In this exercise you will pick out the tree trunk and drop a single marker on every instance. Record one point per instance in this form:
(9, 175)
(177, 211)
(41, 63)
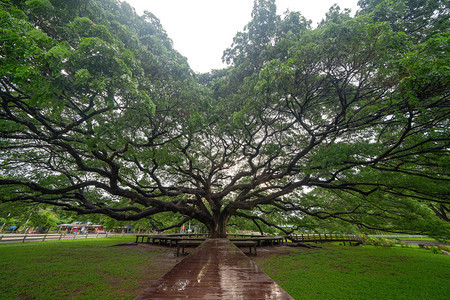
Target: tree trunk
(218, 227)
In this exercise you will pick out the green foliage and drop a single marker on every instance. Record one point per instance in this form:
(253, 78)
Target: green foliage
(346, 123)
(420, 20)
(436, 250)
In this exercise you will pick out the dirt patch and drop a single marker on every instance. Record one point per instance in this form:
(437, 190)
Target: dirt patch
(25, 296)
(165, 259)
(125, 244)
(266, 252)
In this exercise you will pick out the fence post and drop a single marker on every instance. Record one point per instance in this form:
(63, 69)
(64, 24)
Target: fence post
(60, 236)
(25, 236)
(86, 235)
(44, 237)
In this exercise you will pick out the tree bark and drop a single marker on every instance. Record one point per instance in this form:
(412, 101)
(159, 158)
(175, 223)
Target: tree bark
(218, 226)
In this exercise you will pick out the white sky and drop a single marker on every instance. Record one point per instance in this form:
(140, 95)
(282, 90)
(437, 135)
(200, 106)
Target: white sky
(202, 29)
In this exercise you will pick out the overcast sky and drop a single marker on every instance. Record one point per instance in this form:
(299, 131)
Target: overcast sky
(202, 29)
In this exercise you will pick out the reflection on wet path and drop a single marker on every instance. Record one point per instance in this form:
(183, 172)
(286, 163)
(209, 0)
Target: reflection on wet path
(216, 270)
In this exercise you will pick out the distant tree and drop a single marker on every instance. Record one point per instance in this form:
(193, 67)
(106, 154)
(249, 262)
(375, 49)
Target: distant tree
(25, 216)
(349, 121)
(249, 45)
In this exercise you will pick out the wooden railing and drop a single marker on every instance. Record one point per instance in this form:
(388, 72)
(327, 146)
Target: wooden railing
(326, 237)
(33, 237)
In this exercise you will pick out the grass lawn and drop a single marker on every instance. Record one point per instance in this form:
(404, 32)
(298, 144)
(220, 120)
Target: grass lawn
(81, 269)
(364, 272)
(91, 269)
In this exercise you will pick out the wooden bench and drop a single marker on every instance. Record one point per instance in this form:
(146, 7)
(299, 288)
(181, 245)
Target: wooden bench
(143, 236)
(262, 240)
(187, 243)
(249, 244)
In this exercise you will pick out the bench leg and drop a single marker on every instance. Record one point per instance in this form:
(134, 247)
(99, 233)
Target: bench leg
(178, 249)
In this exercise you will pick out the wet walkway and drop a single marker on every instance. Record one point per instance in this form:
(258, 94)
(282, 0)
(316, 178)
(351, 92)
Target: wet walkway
(217, 269)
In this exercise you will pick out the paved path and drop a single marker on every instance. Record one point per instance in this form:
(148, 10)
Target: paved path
(217, 269)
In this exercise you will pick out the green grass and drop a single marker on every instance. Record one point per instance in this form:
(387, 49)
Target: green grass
(344, 272)
(90, 269)
(81, 269)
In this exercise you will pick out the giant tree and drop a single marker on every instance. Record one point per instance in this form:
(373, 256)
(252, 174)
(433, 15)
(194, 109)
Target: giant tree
(346, 121)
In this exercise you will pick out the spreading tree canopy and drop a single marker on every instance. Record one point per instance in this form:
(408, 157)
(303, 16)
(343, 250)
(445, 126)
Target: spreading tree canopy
(347, 121)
